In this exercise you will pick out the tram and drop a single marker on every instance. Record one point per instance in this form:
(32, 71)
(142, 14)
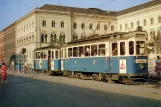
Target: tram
(116, 56)
(46, 59)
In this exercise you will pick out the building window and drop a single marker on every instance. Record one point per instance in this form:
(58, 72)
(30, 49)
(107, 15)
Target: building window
(29, 25)
(132, 25)
(159, 19)
(90, 26)
(46, 37)
(126, 26)
(32, 24)
(55, 38)
(112, 28)
(138, 23)
(63, 38)
(83, 26)
(152, 21)
(120, 27)
(98, 26)
(43, 23)
(75, 25)
(144, 22)
(62, 24)
(26, 27)
(53, 23)
(42, 37)
(105, 27)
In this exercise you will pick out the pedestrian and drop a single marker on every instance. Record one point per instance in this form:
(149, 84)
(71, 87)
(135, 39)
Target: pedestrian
(25, 67)
(158, 67)
(3, 73)
(19, 66)
(13, 66)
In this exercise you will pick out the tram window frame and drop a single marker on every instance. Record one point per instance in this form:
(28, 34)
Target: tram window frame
(102, 49)
(94, 50)
(56, 54)
(140, 47)
(75, 52)
(122, 49)
(87, 52)
(62, 52)
(52, 54)
(115, 48)
(81, 51)
(131, 49)
(70, 52)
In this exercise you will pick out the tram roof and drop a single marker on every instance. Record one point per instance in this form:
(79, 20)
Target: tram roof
(47, 47)
(95, 37)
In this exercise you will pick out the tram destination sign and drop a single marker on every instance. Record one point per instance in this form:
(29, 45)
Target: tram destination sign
(140, 61)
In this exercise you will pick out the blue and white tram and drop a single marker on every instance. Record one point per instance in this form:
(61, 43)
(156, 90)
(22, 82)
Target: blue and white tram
(113, 55)
(47, 59)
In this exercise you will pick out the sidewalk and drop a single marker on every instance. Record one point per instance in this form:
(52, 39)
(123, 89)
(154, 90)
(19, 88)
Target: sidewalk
(134, 90)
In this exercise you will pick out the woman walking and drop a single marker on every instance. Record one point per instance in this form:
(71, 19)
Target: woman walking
(158, 67)
(3, 73)
(19, 66)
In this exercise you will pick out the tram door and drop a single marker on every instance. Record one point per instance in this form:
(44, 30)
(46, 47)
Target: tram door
(49, 59)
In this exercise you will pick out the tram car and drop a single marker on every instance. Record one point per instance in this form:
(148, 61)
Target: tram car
(47, 59)
(116, 56)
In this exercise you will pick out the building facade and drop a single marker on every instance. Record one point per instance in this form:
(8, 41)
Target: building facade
(9, 42)
(1, 46)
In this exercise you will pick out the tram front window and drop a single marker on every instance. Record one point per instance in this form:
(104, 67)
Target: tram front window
(140, 47)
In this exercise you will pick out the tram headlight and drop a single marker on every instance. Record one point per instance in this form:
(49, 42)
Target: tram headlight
(141, 66)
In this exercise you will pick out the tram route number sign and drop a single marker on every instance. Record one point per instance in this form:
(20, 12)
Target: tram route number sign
(122, 66)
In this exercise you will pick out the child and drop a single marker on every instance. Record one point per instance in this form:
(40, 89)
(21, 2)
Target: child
(4, 73)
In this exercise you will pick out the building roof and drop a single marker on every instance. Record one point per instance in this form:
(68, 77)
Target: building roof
(93, 11)
(139, 7)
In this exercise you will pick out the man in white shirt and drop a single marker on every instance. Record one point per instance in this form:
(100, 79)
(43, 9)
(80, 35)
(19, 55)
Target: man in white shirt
(13, 66)
(25, 67)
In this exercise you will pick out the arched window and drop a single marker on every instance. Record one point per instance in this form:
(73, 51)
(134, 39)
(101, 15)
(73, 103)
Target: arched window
(75, 25)
(98, 26)
(126, 26)
(63, 38)
(120, 27)
(83, 26)
(112, 28)
(132, 25)
(62, 24)
(138, 23)
(46, 37)
(144, 22)
(105, 27)
(76, 37)
(73, 37)
(90, 26)
(43, 23)
(55, 38)
(152, 21)
(159, 19)
(51, 38)
(42, 37)
(60, 38)
(32, 24)
(53, 23)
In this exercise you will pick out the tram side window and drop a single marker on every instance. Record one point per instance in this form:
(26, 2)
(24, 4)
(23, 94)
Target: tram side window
(62, 53)
(131, 47)
(75, 52)
(65, 53)
(122, 48)
(39, 55)
(101, 49)
(94, 50)
(52, 54)
(87, 50)
(81, 51)
(42, 55)
(140, 47)
(45, 55)
(36, 55)
(114, 49)
(70, 52)
(56, 54)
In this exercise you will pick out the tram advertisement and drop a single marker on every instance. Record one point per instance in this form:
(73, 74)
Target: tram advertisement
(122, 66)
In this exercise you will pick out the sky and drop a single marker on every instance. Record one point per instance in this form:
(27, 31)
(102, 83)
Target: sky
(12, 10)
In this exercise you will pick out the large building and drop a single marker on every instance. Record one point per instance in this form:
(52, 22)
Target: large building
(9, 42)
(64, 24)
(1, 45)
